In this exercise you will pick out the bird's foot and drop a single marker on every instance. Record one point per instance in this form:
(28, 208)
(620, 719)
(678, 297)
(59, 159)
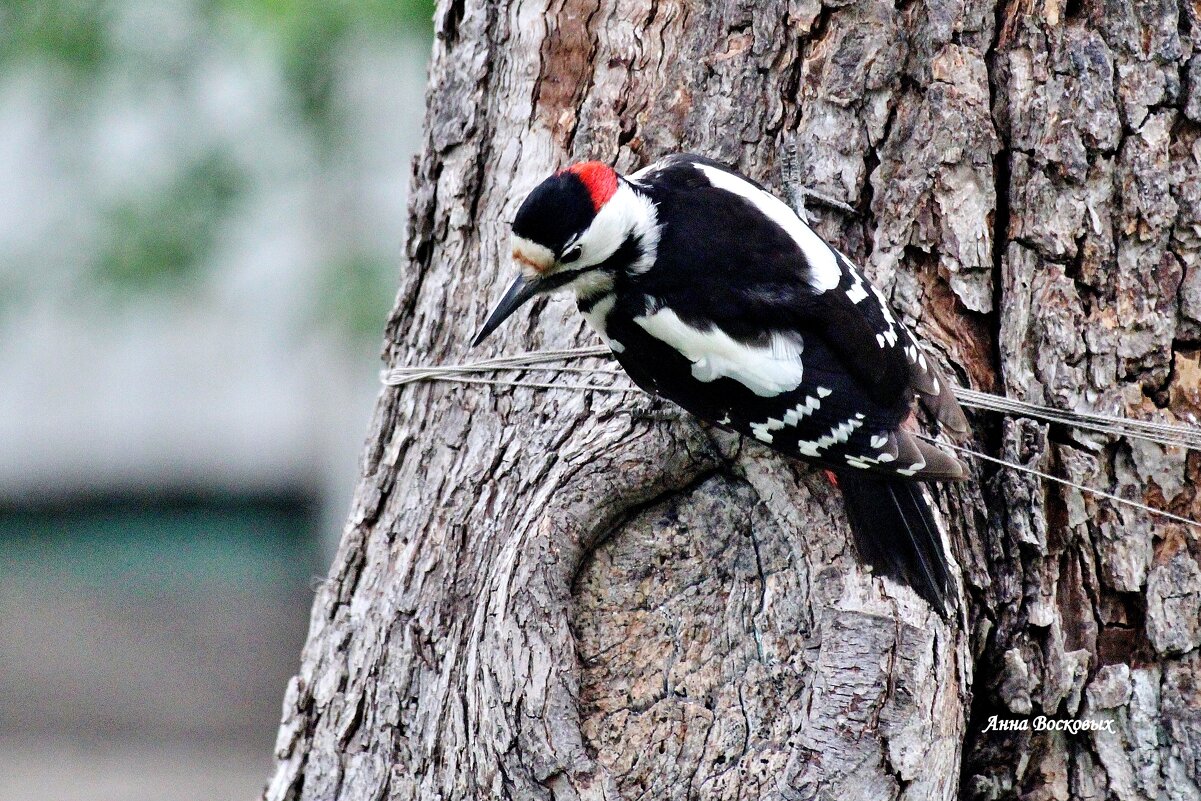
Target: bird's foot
(798, 193)
(655, 410)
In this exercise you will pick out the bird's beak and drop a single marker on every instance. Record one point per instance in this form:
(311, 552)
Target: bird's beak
(519, 292)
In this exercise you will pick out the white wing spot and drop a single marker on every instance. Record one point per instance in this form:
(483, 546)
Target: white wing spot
(857, 292)
(890, 336)
(879, 440)
(838, 434)
(867, 461)
(822, 392)
(763, 431)
(913, 468)
(801, 410)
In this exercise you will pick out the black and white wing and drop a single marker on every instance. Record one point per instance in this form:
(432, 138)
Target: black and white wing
(783, 338)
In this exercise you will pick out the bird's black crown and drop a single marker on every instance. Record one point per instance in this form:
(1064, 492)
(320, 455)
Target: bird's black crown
(557, 210)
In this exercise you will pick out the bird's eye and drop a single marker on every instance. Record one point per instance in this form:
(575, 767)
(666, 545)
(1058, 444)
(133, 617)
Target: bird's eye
(571, 255)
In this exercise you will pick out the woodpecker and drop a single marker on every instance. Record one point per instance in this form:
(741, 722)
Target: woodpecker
(714, 294)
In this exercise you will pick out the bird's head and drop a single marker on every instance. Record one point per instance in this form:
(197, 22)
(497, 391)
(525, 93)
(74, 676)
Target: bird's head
(577, 230)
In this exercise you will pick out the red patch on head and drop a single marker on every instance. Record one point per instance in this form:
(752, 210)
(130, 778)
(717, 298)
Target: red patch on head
(600, 180)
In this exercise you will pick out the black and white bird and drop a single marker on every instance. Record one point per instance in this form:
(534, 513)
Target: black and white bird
(713, 293)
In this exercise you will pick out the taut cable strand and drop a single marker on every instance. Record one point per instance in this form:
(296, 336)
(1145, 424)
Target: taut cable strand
(1066, 482)
(1162, 433)
(1167, 434)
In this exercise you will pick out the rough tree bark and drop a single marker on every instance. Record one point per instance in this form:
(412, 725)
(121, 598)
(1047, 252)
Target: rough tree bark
(539, 595)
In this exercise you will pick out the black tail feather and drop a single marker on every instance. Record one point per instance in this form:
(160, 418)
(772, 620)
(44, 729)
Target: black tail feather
(895, 532)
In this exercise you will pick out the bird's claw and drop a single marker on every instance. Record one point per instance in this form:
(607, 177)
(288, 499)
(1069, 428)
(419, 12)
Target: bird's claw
(656, 410)
(798, 193)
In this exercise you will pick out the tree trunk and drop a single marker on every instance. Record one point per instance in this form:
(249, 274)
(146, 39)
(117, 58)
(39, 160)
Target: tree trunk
(541, 595)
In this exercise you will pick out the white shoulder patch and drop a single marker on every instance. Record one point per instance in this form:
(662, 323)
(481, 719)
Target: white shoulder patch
(646, 172)
(766, 370)
(825, 274)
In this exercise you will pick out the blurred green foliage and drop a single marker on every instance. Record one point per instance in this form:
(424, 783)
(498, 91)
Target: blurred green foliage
(78, 33)
(357, 294)
(165, 237)
(311, 32)
(75, 33)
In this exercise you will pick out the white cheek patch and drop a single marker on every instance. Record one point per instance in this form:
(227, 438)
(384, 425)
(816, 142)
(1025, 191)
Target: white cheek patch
(627, 212)
(534, 258)
(591, 283)
(824, 273)
(766, 370)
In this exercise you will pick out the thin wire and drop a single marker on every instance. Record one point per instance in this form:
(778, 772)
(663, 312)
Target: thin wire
(1167, 434)
(397, 376)
(1048, 477)
(500, 382)
(1162, 433)
(406, 375)
(986, 399)
(532, 361)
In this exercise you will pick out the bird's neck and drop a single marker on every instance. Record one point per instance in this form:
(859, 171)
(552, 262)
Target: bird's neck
(630, 222)
(641, 243)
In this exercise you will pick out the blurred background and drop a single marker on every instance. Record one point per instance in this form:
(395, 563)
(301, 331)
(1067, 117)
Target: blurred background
(202, 206)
